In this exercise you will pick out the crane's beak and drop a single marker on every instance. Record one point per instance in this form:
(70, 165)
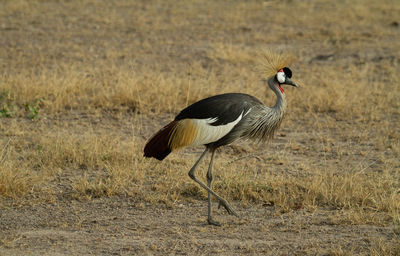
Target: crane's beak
(290, 82)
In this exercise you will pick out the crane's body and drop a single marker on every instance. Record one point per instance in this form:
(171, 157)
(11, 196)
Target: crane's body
(220, 120)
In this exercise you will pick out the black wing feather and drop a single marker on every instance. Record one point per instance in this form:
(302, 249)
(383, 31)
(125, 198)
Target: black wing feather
(226, 107)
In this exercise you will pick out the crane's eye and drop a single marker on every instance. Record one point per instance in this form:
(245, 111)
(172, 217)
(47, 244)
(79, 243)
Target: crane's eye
(281, 77)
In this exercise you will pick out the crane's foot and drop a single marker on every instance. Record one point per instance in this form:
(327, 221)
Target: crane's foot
(213, 222)
(227, 207)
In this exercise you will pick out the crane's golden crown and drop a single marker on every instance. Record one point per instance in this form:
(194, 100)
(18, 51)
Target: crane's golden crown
(271, 62)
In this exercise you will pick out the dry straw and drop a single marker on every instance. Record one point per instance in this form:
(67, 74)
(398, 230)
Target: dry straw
(271, 62)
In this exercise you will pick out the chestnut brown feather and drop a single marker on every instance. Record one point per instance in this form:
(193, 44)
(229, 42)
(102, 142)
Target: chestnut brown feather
(158, 145)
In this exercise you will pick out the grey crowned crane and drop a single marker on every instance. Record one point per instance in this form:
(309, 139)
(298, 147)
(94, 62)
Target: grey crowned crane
(222, 119)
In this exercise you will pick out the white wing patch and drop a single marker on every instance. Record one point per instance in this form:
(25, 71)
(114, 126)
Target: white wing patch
(248, 111)
(207, 133)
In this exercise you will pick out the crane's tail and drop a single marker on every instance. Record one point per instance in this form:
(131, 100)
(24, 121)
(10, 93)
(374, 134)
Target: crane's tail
(174, 135)
(158, 146)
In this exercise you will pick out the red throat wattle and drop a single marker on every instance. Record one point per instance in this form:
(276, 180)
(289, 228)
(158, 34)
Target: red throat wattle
(280, 88)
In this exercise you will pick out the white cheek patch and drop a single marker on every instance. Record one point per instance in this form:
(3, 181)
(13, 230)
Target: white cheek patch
(281, 77)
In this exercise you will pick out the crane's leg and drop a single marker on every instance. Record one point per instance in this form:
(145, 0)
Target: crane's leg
(222, 201)
(209, 183)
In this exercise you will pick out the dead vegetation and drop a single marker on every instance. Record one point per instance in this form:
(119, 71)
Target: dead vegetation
(82, 87)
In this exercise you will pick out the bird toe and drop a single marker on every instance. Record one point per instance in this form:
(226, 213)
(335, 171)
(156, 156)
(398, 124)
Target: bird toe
(213, 222)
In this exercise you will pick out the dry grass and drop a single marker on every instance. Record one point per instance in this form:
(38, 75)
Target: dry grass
(81, 90)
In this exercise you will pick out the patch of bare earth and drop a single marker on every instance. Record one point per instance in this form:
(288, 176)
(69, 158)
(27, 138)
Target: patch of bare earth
(123, 226)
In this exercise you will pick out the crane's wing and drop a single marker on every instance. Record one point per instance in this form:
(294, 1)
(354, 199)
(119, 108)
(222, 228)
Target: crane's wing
(202, 123)
(220, 109)
(210, 119)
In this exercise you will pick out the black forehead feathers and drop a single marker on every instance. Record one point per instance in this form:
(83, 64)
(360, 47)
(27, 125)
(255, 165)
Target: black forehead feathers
(287, 72)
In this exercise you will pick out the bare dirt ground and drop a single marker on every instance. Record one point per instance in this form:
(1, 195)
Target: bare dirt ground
(83, 85)
(122, 226)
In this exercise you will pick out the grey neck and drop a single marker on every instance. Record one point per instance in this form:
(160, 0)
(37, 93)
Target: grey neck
(280, 105)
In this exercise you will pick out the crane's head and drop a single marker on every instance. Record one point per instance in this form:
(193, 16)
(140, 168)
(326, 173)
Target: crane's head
(283, 76)
(274, 69)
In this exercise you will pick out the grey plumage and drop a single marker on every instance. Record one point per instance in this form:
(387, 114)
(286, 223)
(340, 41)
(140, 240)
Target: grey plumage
(260, 122)
(265, 121)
